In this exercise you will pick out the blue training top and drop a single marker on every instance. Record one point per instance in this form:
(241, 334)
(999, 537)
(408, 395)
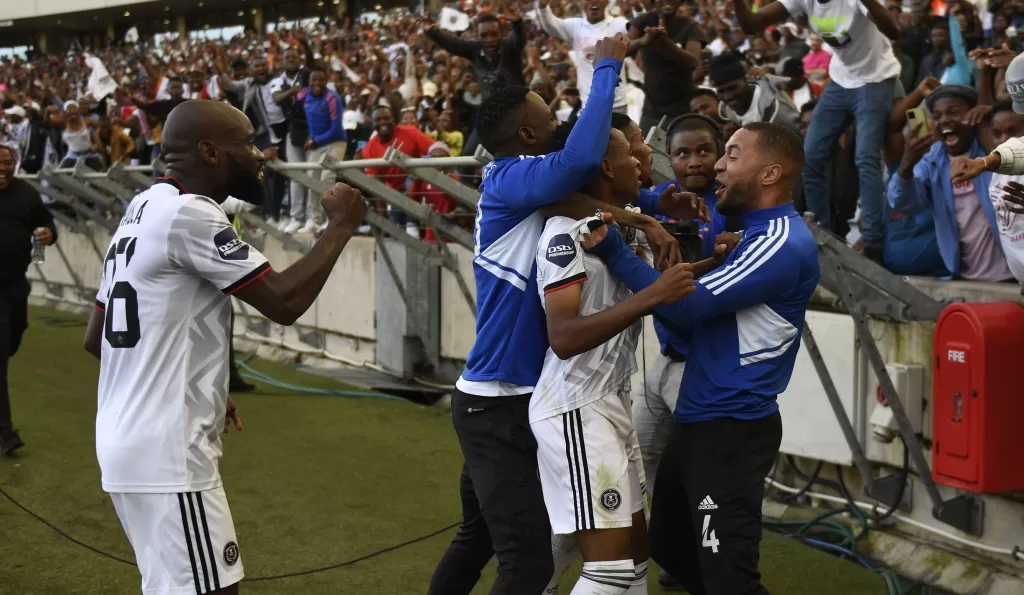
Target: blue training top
(746, 316)
(511, 334)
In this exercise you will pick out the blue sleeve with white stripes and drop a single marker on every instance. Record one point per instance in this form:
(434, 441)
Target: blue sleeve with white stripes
(532, 183)
(760, 269)
(757, 271)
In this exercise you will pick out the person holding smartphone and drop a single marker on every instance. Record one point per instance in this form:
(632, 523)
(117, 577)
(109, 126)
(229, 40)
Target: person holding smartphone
(965, 221)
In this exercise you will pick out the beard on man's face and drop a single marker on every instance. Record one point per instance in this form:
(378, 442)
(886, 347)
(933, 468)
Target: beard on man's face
(245, 183)
(737, 199)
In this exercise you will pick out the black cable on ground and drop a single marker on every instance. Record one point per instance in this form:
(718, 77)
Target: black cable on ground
(247, 579)
(353, 560)
(63, 534)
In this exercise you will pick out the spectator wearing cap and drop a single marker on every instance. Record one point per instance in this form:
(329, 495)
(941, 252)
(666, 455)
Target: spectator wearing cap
(670, 46)
(865, 75)
(965, 220)
(20, 129)
(793, 45)
(745, 100)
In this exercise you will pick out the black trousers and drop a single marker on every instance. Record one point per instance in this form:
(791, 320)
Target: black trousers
(13, 323)
(274, 183)
(705, 527)
(503, 511)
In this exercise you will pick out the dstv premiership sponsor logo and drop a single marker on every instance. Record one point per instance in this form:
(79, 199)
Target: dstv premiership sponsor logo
(561, 250)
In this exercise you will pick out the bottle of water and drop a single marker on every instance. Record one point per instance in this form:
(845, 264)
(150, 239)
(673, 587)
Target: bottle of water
(38, 251)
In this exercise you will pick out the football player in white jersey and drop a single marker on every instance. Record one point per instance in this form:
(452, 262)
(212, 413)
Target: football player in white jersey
(161, 332)
(589, 459)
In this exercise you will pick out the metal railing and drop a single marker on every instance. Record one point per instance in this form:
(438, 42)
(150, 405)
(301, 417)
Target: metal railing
(81, 193)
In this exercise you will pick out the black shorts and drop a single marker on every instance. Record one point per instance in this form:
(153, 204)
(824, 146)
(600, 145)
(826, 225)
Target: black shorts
(705, 525)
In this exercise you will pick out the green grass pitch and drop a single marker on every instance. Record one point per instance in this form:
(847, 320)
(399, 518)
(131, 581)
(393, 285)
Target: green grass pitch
(311, 481)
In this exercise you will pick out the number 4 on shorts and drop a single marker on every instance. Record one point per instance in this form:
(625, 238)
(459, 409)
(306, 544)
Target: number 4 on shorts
(708, 538)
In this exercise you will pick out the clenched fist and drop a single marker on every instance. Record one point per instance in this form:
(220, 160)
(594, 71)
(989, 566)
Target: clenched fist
(610, 47)
(345, 206)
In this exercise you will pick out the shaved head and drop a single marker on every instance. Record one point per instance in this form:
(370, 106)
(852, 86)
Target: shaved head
(212, 146)
(198, 120)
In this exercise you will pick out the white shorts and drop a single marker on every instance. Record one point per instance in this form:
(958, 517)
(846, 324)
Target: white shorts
(184, 544)
(590, 466)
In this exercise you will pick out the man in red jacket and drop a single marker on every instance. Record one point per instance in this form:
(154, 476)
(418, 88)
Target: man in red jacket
(407, 139)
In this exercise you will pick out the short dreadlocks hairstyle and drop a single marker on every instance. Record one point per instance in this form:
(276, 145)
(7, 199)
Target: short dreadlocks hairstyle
(494, 118)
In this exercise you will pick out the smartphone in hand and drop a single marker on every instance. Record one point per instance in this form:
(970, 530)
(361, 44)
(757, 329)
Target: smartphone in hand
(917, 119)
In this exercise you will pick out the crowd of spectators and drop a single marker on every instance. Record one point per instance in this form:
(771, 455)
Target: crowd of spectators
(414, 82)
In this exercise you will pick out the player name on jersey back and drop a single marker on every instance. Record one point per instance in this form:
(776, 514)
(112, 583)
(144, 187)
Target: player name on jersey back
(162, 396)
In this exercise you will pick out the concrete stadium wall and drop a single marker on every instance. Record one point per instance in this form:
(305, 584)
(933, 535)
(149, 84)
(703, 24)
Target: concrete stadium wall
(25, 9)
(344, 312)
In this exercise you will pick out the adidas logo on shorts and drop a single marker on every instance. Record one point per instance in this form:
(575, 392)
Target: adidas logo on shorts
(707, 504)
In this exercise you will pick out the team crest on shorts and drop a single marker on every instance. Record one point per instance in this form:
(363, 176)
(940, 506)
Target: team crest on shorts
(231, 553)
(611, 499)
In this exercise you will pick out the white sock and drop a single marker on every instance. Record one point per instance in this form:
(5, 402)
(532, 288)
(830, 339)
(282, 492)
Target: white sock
(564, 549)
(639, 586)
(605, 578)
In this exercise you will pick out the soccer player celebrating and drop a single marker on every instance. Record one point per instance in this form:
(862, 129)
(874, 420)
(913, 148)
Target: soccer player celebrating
(745, 319)
(502, 504)
(589, 459)
(161, 332)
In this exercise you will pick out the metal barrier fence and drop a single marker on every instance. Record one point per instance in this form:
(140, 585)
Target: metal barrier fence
(82, 193)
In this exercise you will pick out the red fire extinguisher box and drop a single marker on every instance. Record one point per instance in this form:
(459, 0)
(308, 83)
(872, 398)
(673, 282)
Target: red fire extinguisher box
(978, 397)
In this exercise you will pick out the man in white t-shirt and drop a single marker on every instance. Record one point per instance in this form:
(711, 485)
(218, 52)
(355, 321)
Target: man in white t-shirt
(161, 329)
(582, 34)
(864, 73)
